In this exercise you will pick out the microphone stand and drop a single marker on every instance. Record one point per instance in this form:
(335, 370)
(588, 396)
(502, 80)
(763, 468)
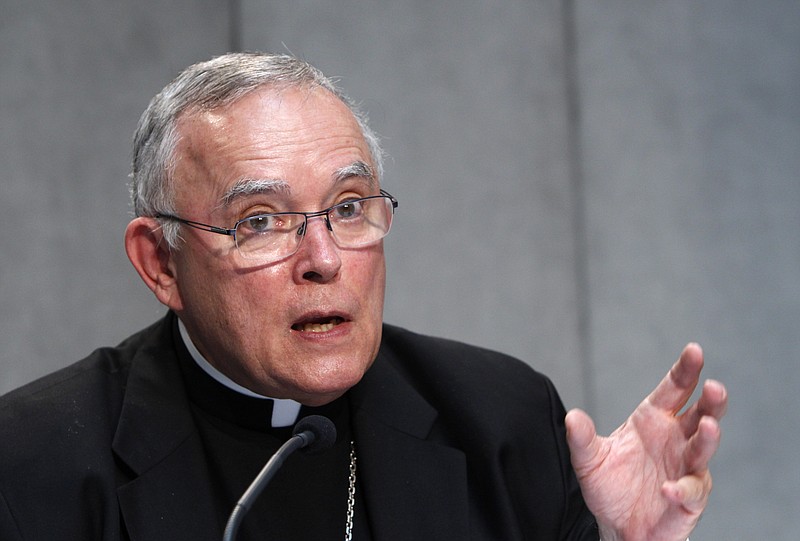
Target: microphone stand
(313, 431)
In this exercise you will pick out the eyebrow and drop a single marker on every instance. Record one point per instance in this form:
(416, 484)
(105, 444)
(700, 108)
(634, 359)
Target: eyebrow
(256, 186)
(356, 169)
(253, 186)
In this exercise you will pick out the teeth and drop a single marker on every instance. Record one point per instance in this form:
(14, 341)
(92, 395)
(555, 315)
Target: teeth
(319, 327)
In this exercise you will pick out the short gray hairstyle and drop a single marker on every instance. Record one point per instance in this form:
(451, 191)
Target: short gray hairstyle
(206, 86)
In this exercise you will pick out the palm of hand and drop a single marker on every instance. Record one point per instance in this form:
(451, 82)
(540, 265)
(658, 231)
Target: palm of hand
(624, 486)
(649, 480)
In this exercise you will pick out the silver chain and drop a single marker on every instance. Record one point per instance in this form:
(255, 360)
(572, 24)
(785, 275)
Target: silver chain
(351, 494)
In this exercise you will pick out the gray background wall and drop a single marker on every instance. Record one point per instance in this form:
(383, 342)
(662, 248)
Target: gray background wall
(586, 185)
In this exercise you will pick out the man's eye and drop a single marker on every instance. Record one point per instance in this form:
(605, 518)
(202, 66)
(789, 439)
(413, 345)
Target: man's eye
(260, 224)
(351, 209)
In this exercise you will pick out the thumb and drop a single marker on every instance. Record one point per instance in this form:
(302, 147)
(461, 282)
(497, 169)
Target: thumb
(584, 445)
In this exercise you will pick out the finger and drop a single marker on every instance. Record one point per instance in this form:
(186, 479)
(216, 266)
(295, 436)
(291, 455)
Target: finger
(713, 402)
(690, 491)
(582, 439)
(702, 445)
(677, 386)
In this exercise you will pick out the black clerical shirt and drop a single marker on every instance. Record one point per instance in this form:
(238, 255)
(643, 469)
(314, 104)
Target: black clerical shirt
(307, 498)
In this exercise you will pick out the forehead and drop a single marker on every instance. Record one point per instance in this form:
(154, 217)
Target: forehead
(289, 135)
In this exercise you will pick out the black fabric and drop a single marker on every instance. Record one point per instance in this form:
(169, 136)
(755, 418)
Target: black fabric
(454, 443)
(219, 401)
(307, 498)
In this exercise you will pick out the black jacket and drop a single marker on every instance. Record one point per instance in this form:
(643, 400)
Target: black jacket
(455, 443)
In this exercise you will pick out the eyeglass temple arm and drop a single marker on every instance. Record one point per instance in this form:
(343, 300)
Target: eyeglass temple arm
(390, 196)
(199, 225)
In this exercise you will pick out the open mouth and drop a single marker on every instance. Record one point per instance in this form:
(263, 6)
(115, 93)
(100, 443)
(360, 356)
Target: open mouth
(318, 325)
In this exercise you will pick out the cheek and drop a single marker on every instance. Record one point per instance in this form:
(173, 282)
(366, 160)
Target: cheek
(371, 285)
(258, 299)
(370, 273)
(233, 299)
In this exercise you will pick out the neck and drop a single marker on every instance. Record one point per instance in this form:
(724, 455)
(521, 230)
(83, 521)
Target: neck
(284, 411)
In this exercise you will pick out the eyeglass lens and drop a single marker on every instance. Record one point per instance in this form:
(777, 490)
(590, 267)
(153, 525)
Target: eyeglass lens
(270, 237)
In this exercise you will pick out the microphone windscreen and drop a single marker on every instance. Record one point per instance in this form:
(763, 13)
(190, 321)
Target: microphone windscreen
(322, 429)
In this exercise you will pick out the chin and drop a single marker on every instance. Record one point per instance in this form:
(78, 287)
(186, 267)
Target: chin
(327, 389)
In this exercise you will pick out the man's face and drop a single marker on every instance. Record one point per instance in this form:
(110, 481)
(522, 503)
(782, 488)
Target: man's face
(306, 327)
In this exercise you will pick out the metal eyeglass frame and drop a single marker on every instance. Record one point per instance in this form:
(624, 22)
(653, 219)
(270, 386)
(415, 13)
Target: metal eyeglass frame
(301, 230)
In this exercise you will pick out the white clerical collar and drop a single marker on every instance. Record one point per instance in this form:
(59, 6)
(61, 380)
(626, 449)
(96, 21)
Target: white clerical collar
(284, 411)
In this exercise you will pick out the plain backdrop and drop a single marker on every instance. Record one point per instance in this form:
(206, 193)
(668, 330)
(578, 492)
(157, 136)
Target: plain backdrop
(585, 185)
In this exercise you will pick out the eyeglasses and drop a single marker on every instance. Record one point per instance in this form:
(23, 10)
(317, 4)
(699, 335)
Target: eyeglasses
(275, 236)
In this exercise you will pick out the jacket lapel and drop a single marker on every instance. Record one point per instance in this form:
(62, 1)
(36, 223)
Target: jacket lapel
(415, 488)
(168, 496)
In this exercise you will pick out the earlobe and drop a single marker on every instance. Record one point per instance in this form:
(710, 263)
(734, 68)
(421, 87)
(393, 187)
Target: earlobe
(151, 257)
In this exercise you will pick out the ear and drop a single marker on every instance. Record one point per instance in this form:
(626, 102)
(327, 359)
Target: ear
(153, 260)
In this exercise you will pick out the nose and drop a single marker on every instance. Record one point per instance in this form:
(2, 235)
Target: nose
(318, 258)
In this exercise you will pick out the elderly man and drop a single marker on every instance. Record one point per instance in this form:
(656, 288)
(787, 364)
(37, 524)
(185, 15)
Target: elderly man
(260, 219)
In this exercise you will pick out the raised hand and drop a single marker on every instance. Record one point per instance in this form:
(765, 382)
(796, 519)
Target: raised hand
(649, 480)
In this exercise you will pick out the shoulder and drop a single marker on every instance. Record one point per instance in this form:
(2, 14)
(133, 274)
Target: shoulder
(465, 363)
(456, 376)
(65, 406)
(58, 473)
(105, 364)
(505, 417)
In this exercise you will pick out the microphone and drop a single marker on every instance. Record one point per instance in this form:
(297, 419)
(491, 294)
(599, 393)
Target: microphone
(315, 433)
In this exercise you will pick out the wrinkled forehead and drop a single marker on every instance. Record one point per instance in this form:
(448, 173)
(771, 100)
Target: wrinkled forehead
(270, 134)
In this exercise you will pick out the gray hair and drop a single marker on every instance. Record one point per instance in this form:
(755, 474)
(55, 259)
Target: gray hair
(206, 86)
